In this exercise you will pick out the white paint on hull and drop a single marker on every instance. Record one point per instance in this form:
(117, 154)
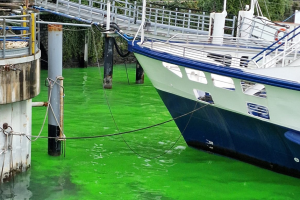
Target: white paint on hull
(279, 101)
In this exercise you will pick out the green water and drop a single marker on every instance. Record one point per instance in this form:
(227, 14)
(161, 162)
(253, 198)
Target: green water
(105, 168)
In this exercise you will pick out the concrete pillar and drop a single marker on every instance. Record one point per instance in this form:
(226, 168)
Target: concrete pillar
(108, 61)
(139, 78)
(54, 71)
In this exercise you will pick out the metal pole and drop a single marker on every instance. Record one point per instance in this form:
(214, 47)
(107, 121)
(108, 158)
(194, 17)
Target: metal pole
(54, 73)
(4, 37)
(33, 33)
(108, 16)
(143, 20)
(61, 23)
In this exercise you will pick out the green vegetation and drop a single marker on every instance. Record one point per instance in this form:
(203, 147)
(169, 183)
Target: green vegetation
(276, 10)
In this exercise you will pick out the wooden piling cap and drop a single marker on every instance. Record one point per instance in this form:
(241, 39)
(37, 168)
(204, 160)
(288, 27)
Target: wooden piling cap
(54, 27)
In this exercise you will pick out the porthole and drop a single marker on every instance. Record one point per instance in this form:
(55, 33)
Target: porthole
(173, 68)
(196, 75)
(253, 89)
(223, 82)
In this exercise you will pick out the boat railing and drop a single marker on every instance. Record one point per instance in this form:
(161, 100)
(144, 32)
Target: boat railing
(260, 28)
(226, 40)
(19, 35)
(176, 49)
(286, 50)
(128, 15)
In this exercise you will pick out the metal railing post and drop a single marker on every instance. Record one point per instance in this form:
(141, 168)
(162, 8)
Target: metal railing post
(68, 6)
(116, 14)
(233, 26)
(264, 60)
(162, 15)
(91, 10)
(113, 7)
(33, 31)
(189, 19)
(155, 28)
(176, 9)
(284, 51)
(183, 21)
(4, 37)
(126, 2)
(56, 8)
(30, 38)
(39, 33)
(134, 12)
(169, 23)
(79, 6)
(129, 17)
(203, 20)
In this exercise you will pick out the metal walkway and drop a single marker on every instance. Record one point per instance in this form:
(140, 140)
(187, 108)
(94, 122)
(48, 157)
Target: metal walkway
(162, 23)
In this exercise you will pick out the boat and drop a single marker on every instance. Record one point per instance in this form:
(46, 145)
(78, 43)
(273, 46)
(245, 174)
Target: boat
(234, 96)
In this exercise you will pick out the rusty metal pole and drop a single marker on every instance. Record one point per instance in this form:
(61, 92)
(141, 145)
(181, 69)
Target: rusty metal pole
(54, 73)
(139, 76)
(108, 61)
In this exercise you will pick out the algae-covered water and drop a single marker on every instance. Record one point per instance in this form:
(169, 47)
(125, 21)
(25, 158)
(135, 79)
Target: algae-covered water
(106, 168)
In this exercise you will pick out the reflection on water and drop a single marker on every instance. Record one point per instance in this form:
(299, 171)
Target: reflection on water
(17, 188)
(105, 168)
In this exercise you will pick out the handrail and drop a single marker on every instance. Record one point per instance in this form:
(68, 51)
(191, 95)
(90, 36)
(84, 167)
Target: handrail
(130, 13)
(281, 53)
(28, 34)
(198, 54)
(276, 42)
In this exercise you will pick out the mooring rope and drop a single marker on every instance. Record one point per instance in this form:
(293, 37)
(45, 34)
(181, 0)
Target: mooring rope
(64, 138)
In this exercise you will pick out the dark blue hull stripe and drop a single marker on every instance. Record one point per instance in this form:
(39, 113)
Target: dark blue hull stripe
(234, 135)
(207, 67)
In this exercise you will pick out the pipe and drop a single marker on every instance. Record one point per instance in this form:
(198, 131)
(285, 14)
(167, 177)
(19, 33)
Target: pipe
(60, 23)
(39, 104)
(65, 15)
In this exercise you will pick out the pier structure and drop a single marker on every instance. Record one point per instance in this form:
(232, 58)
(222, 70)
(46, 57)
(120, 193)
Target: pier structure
(158, 22)
(19, 83)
